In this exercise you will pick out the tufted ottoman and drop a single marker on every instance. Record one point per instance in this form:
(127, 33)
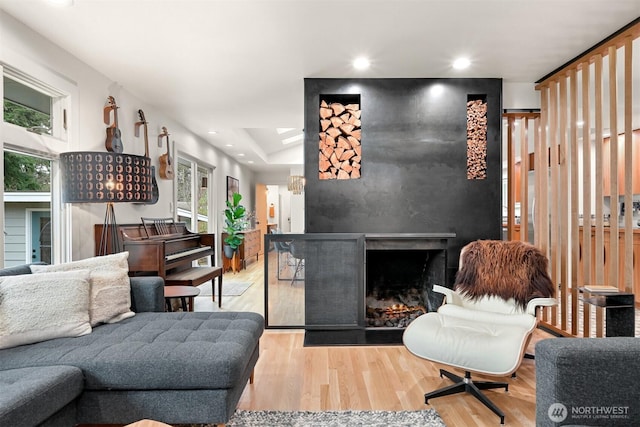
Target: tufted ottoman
(151, 364)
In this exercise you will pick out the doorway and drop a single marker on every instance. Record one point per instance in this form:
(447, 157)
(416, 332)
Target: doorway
(39, 226)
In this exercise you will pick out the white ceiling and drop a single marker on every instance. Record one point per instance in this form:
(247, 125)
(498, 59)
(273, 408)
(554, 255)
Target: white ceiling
(237, 67)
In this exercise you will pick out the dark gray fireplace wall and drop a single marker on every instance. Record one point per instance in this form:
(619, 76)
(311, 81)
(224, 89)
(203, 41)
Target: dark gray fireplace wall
(414, 155)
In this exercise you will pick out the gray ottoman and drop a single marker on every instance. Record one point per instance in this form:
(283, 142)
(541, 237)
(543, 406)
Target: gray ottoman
(588, 382)
(32, 395)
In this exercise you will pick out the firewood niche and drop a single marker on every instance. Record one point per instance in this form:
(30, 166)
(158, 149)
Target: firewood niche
(340, 149)
(476, 136)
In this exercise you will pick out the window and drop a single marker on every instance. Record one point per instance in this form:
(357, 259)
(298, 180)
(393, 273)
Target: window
(33, 105)
(27, 209)
(26, 107)
(193, 188)
(33, 131)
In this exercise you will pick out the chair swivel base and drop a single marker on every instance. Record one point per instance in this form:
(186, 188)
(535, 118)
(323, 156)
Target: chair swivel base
(467, 385)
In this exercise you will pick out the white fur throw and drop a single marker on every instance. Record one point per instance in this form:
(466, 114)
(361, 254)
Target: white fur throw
(110, 298)
(38, 307)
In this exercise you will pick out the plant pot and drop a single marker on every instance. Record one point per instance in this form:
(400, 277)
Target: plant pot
(228, 251)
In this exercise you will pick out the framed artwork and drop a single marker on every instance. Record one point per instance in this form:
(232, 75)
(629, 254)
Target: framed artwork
(233, 186)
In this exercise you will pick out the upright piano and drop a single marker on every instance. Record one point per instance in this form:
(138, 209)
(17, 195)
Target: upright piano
(162, 248)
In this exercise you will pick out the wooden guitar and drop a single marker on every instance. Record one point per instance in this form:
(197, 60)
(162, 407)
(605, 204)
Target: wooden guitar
(154, 184)
(114, 140)
(166, 165)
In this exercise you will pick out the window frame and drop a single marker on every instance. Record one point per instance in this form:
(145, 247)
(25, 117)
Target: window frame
(64, 125)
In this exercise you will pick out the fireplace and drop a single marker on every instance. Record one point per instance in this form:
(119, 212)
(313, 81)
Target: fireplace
(400, 271)
(399, 283)
(357, 289)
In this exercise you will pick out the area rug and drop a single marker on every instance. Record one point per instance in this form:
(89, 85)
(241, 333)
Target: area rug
(229, 288)
(425, 418)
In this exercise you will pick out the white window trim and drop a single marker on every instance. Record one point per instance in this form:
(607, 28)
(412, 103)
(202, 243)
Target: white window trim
(14, 137)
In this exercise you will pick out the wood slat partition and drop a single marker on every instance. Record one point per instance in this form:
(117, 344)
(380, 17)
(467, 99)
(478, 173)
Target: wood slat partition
(521, 128)
(570, 225)
(517, 171)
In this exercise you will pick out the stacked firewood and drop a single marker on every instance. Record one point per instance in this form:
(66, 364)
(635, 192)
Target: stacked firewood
(340, 152)
(396, 316)
(476, 139)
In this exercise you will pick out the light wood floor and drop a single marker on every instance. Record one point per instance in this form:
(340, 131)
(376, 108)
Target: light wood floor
(289, 376)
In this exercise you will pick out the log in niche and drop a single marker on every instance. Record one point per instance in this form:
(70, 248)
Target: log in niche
(476, 137)
(340, 150)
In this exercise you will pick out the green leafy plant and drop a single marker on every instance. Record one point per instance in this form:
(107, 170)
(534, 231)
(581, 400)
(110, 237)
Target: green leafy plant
(233, 218)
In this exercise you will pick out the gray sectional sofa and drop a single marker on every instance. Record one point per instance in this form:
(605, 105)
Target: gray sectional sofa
(176, 368)
(588, 382)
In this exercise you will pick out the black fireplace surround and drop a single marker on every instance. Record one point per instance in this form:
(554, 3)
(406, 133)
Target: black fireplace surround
(366, 288)
(413, 181)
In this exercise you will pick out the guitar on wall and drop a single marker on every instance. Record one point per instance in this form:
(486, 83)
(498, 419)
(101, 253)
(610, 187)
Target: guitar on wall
(114, 139)
(166, 165)
(154, 184)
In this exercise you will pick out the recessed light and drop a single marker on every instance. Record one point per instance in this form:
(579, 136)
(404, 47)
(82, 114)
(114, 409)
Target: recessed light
(461, 63)
(361, 63)
(212, 132)
(228, 145)
(250, 161)
(240, 154)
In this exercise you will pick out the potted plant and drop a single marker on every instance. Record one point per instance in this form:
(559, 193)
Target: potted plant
(233, 218)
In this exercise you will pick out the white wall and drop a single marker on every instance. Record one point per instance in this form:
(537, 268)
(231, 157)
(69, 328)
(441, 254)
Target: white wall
(520, 96)
(22, 48)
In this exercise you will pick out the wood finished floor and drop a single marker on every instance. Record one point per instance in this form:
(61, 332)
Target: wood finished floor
(289, 376)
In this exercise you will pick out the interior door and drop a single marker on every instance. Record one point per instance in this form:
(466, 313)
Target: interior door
(261, 213)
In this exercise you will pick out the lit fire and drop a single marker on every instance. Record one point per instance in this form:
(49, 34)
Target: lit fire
(402, 308)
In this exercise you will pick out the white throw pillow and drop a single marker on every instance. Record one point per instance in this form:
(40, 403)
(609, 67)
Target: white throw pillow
(110, 297)
(38, 307)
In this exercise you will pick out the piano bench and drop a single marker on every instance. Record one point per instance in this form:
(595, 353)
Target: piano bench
(195, 276)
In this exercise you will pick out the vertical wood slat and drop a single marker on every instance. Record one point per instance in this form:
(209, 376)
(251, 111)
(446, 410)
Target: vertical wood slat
(511, 163)
(628, 166)
(524, 180)
(537, 187)
(586, 196)
(543, 218)
(563, 204)
(574, 208)
(554, 242)
(599, 231)
(614, 229)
